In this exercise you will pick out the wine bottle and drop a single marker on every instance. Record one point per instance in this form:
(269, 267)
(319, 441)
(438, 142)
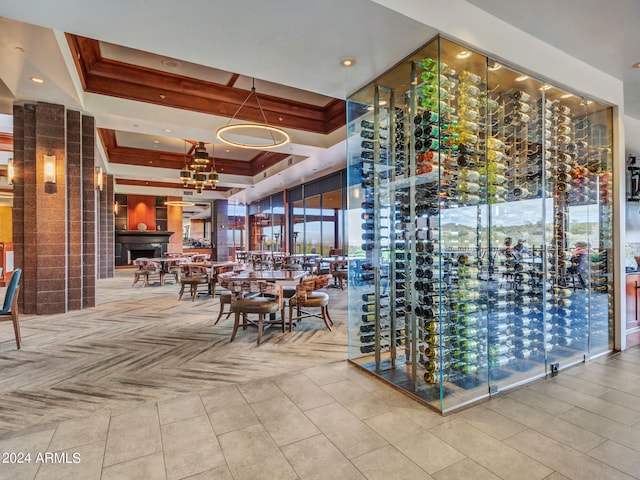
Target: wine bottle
(467, 76)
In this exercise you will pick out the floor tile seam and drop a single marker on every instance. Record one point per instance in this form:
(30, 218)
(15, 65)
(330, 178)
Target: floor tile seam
(577, 452)
(537, 426)
(313, 381)
(501, 442)
(500, 439)
(612, 466)
(216, 436)
(392, 445)
(604, 419)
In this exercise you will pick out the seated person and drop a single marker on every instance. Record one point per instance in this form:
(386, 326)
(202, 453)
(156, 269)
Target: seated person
(521, 248)
(580, 262)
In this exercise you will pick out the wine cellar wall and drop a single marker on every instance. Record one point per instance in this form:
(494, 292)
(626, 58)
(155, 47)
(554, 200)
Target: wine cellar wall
(480, 224)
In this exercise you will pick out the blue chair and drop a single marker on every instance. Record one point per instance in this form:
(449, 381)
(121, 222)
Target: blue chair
(10, 306)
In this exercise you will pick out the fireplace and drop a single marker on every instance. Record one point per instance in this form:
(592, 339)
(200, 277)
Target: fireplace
(132, 244)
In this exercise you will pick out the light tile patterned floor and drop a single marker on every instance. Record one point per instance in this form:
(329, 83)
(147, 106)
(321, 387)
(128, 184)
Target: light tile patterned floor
(334, 421)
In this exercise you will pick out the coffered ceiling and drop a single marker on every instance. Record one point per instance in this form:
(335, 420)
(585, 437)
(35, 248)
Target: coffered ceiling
(157, 75)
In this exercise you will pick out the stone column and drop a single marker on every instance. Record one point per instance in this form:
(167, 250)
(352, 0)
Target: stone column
(219, 229)
(54, 224)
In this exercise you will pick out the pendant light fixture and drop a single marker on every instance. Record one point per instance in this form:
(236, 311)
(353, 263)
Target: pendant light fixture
(198, 173)
(275, 137)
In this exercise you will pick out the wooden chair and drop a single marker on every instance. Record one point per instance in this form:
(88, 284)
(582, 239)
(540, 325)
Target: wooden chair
(10, 305)
(146, 268)
(308, 296)
(225, 295)
(267, 302)
(192, 277)
(340, 272)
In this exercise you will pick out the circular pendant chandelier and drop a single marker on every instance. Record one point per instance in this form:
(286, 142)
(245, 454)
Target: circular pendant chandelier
(266, 135)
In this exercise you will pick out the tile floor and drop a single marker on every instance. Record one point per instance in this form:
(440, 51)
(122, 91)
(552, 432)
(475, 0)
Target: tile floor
(336, 422)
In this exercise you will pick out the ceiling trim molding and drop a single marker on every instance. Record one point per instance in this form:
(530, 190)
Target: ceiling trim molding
(149, 183)
(113, 78)
(159, 159)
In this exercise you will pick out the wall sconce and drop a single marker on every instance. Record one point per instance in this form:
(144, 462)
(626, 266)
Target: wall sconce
(116, 207)
(49, 169)
(99, 178)
(10, 171)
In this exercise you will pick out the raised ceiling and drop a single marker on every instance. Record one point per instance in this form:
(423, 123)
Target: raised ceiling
(154, 77)
(291, 47)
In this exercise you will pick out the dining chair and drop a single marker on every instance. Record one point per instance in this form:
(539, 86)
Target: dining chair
(225, 294)
(145, 269)
(192, 277)
(10, 305)
(268, 301)
(308, 296)
(340, 272)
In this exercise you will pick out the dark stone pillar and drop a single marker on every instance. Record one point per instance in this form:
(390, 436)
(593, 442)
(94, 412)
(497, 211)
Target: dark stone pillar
(74, 192)
(219, 232)
(52, 223)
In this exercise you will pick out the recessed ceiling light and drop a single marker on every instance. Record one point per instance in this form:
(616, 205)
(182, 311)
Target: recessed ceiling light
(167, 130)
(18, 49)
(347, 62)
(463, 54)
(636, 65)
(37, 80)
(522, 78)
(227, 150)
(167, 62)
(156, 141)
(495, 66)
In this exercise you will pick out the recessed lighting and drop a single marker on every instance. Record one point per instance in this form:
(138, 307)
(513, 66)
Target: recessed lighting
(567, 95)
(347, 62)
(18, 49)
(167, 62)
(37, 80)
(463, 54)
(156, 141)
(495, 66)
(227, 150)
(167, 130)
(636, 65)
(522, 78)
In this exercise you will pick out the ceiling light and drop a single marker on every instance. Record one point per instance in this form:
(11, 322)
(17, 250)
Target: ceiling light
(495, 66)
(37, 80)
(521, 78)
(198, 172)
(179, 203)
(170, 63)
(545, 87)
(636, 65)
(567, 95)
(167, 130)
(463, 54)
(347, 62)
(278, 136)
(18, 49)
(156, 141)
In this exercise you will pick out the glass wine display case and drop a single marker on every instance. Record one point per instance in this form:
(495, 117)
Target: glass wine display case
(480, 226)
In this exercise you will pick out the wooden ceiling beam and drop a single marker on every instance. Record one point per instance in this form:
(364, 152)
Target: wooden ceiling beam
(149, 183)
(119, 79)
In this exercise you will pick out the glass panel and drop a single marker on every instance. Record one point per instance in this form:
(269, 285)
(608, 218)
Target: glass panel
(597, 185)
(313, 225)
(482, 200)
(297, 221)
(517, 154)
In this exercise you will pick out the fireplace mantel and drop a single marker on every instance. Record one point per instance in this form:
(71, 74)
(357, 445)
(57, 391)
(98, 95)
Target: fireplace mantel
(131, 240)
(136, 236)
